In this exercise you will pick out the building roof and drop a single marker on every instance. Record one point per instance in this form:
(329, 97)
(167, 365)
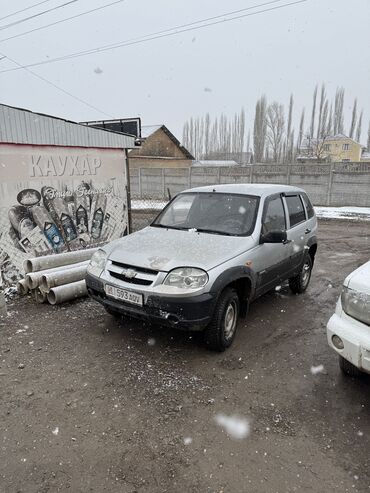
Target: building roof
(307, 143)
(149, 130)
(214, 163)
(21, 126)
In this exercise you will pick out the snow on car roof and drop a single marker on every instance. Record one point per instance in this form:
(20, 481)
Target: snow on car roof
(259, 189)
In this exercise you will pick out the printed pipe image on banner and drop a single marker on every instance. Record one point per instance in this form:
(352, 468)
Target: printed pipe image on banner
(55, 199)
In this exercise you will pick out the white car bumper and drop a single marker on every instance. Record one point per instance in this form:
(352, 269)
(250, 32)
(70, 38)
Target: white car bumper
(355, 336)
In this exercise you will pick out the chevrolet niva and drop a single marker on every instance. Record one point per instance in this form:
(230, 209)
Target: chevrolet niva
(209, 253)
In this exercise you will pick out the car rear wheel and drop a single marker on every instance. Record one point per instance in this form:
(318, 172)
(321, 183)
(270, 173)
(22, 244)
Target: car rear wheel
(299, 283)
(221, 331)
(348, 368)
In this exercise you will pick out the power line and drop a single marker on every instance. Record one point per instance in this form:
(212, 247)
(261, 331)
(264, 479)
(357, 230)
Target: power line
(15, 23)
(62, 20)
(23, 10)
(160, 34)
(47, 81)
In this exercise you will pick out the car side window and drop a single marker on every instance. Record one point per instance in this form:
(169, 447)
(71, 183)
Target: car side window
(295, 209)
(309, 207)
(274, 217)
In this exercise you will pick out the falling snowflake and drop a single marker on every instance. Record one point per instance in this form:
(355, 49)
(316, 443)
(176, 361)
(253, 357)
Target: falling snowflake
(55, 431)
(235, 426)
(151, 341)
(188, 440)
(98, 70)
(317, 369)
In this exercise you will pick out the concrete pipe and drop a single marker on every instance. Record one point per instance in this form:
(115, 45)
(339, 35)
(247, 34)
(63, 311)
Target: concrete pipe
(22, 287)
(66, 276)
(67, 292)
(40, 296)
(33, 279)
(57, 260)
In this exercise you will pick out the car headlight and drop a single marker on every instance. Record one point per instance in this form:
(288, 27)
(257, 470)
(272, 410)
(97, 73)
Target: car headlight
(356, 304)
(97, 262)
(187, 277)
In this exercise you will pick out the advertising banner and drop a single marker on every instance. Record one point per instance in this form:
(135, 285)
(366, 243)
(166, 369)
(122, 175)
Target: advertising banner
(58, 199)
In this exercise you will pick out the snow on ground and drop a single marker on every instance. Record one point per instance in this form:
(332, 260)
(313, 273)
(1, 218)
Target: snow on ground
(347, 212)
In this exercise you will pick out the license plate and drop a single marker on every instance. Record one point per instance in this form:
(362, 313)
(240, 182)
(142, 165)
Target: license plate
(124, 295)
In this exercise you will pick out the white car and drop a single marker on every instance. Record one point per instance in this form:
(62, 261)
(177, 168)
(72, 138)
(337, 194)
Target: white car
(348, 330)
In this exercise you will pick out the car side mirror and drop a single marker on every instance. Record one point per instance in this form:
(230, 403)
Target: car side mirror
(274, 236)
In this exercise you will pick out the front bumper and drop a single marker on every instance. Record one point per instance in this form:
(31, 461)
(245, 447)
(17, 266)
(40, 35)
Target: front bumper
(190, 313)
(356, 339)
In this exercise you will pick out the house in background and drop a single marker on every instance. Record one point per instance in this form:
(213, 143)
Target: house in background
(337, 148)
(159, 149)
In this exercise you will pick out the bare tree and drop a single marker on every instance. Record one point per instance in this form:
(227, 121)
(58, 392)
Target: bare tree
(329, 126)
(275, 123)
(259, 130)
(207, 127)
(313, 114)
(353, 120)
(301, 131)
(359, 127)
(320, 123)
(338, 122)
(368, 138)
(286, 153)
(324, 120)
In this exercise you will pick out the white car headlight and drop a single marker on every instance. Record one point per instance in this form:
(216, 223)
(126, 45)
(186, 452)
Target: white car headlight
(97, 262)
(356, 304)
(187, 277)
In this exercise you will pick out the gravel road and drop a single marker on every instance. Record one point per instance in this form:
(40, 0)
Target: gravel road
(89, 404)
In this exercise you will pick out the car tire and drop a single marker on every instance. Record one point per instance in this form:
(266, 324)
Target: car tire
(348, 368)
(221, 331)
(299, 283)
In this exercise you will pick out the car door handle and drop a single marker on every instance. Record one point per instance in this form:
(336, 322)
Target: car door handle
(307, 231)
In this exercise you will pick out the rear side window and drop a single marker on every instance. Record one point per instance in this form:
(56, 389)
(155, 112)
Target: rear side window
(309, 208)
(274, 216)
(296, 210)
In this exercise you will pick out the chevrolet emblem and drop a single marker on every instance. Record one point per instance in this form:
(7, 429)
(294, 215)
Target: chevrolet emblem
(129, 273)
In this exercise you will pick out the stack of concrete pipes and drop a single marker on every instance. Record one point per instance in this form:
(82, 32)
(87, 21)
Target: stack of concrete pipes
(56, 278)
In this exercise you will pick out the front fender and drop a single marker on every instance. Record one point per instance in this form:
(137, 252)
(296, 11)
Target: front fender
(234, 274)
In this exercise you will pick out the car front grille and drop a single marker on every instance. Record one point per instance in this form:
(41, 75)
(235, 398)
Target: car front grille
(131, 274)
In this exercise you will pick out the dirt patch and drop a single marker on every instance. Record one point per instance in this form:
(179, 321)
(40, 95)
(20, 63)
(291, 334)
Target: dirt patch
(92, 404)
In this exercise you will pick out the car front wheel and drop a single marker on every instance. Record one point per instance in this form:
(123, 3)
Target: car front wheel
(299, 283)
(221, 331)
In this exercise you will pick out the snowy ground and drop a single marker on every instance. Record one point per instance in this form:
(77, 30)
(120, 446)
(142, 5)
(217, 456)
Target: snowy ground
(92, 404)
(351, 213)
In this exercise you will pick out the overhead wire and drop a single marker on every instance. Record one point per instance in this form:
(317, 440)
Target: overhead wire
(20, 21)
(62, 20)
(47, 81)
(162, 34)
(23, 10)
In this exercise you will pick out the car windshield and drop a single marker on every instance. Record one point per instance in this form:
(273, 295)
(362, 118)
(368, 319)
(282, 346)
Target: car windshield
(213, 212)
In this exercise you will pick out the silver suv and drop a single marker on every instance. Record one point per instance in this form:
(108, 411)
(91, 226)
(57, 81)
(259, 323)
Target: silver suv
(209, 253)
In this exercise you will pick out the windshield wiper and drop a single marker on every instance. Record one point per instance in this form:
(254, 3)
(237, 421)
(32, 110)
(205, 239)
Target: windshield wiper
(215, 232)
(157, 225)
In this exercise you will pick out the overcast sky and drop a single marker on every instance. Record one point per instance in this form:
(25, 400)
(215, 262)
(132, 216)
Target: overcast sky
(216, 69)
